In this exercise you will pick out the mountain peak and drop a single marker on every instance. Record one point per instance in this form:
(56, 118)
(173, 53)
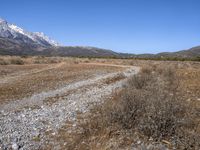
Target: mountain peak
(2, 20)
(40, 33)
(48, 39)
(20, 35)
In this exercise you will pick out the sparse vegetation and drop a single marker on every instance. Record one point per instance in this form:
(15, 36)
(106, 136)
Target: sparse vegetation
(17, 61)
(158, 105)
(47, 60)
(150, 106)
(11, 60)
(20, 60)
(197, 58)
(3, 62)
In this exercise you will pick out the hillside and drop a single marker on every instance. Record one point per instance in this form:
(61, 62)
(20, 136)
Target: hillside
(17, 41)
(10, 47)
(190, 53)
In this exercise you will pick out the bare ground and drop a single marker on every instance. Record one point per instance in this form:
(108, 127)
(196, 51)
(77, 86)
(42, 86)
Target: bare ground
(36, 100)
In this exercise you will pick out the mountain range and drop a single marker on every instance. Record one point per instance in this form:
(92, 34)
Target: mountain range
(17, 41)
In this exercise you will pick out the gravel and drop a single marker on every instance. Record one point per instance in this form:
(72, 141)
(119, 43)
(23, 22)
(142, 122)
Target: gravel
(25, 127)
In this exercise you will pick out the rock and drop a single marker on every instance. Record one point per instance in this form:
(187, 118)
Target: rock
(65, 143)
(15, 146)
(150, 147)
(53, 133)
(150, 139)
(188, 100)
(36, 133)
(143, 147)
(162, 147)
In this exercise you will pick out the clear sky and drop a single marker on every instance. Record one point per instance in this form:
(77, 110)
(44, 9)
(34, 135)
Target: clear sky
(134, 26)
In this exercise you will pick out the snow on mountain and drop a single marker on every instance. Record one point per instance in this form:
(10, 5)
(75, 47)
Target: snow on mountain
(2, 20)
(20, 35)
(21, 31)
(43, 36)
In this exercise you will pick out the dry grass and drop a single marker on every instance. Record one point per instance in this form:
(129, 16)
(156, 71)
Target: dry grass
(11, 60)
(17, 60)
(19, 81)
(161, 103)
(114, 79)
(3, 62)
(151, 106)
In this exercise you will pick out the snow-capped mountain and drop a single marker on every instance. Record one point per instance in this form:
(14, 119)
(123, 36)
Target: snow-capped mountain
(17, 41)
(19, 35)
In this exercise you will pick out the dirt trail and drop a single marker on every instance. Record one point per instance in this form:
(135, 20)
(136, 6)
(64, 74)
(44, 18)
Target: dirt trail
(15, 76)
(21, 127)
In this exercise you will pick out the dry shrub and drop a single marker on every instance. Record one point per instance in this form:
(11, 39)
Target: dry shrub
(131, 63)
(17, 61)
(3, 61)
(38, 60)
(47, 60)
(151, 105)
(92, 127)
(111, 80)
(139, 81)
(76, 62)
(146, 69)
(86, 61)
(53, 60)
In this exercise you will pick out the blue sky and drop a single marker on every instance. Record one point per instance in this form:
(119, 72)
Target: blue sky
(134, 26)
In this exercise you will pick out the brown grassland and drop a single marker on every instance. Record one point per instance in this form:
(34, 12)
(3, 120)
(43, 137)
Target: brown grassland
(157, 108)
(19, 81)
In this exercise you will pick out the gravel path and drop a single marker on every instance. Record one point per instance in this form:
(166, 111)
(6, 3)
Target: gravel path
(24, 127)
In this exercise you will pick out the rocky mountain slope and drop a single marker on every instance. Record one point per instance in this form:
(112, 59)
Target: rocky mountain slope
(17, 41)
(9, 47)
(21, 36)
